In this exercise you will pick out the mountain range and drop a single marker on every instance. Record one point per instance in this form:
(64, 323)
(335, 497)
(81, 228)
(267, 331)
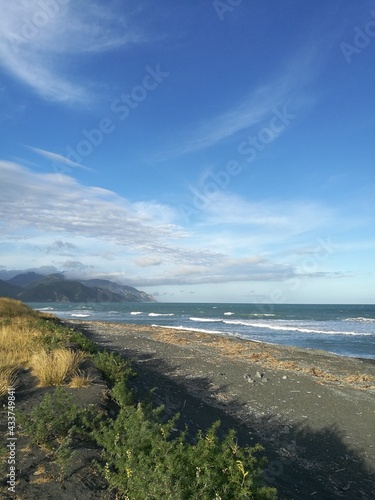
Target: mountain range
(34, 287)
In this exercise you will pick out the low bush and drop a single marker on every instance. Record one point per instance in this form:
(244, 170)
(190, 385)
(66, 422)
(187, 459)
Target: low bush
(145, 459)
(113, 366)
(52, 419)
(142, 461)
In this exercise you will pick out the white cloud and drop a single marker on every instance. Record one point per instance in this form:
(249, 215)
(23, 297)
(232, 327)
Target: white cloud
(61, 247)
(57, 203)
(148, 261)
(51, 215)
(39, 38)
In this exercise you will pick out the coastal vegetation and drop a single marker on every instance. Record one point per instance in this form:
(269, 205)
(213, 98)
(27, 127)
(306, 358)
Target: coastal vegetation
(141, 455)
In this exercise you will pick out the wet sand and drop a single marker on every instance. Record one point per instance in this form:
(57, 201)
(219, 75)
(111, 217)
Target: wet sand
(314, 412)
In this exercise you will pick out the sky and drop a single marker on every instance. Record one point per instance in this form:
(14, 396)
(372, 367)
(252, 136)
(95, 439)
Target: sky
(202, 151)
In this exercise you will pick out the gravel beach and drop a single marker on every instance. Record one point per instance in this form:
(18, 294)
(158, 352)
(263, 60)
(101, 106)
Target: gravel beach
(314, 412)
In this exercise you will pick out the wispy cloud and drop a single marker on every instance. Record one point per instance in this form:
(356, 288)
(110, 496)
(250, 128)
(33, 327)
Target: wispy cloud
(255, 108)
(37, 42)
(57, 158)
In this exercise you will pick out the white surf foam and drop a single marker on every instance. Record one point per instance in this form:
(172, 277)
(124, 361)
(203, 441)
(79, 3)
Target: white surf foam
(201, 330)
(206, 320)
(291, 328)
(161, 314)
(361, 320)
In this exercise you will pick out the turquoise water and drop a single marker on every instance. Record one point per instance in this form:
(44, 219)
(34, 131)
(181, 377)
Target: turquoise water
(347, 330)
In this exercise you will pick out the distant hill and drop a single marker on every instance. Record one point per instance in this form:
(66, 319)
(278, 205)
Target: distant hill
(44, 280)
(65, 291)
(9, 290)
(31, 287)
(24, 278)
(128, 293)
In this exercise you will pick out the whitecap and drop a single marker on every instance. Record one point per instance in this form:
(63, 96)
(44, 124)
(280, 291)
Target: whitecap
(361, 320)
(263, 315)
(80, 315)
(136, 313)
(206, 320)
(228, 314)
(161, 314)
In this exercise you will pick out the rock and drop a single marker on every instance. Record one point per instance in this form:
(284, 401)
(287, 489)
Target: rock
(248, 379)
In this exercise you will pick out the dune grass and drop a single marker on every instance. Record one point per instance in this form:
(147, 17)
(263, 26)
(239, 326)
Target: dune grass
(56, 366)
(33, 340)
(80, 379)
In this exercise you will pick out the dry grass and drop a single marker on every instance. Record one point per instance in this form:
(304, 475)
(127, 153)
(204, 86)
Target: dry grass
(17, 341)
(359, 378)
(8, 378)
(41, 476)
(55, 367)
(10, 308)
(80, 379)
(21, 345)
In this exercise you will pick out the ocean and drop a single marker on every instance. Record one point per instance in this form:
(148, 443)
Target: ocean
(347, 330)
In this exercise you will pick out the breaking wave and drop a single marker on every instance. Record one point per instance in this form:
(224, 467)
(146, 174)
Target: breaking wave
(161, 314)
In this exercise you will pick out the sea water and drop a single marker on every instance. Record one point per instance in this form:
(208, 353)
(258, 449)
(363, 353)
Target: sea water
(347, 330)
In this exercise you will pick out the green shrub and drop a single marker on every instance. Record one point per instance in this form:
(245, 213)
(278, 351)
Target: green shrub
(52, 419)
(142, 461)
(113, 366)
(53, 335)
(83, 342)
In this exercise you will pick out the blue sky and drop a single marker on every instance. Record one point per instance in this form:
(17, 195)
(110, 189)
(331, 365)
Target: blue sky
(200, 151)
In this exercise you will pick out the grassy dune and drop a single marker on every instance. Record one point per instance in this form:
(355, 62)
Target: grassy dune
(33, 340)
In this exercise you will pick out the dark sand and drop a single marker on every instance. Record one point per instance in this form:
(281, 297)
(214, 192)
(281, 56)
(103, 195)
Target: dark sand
(314, 412)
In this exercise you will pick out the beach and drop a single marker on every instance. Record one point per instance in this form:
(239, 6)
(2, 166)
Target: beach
(313, 411)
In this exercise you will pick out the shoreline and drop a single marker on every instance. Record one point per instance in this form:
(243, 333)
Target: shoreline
(237, 336)
(312, 410)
